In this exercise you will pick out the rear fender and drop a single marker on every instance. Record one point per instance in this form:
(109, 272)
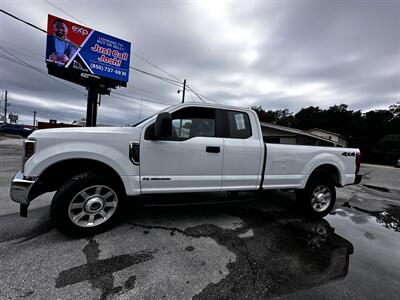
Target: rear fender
(324, 159)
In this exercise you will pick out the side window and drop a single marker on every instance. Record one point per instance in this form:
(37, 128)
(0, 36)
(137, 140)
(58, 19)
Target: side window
(272, 139)
(239, 125)
(193, 121)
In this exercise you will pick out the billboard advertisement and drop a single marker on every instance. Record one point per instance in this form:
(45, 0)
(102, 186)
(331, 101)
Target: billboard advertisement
(77, 47)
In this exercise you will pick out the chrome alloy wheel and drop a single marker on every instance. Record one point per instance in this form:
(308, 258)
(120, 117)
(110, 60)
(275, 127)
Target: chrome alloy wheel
(321, 198)
(93, 206)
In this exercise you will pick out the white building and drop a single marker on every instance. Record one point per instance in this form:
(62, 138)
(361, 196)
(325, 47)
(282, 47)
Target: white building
(277, 134)
(332, 136)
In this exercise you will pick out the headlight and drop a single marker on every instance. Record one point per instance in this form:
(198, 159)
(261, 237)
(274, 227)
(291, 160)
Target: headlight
(29, 150)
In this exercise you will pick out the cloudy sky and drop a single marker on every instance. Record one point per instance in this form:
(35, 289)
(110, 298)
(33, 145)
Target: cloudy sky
(276, 54)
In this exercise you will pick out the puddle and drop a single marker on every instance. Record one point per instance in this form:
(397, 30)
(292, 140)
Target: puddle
(285, 254)
(381, 217)
(376, 242)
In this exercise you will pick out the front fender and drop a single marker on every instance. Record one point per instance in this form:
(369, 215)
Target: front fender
(118, 159)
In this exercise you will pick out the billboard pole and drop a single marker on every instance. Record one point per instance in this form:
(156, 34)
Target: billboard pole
(91, 110)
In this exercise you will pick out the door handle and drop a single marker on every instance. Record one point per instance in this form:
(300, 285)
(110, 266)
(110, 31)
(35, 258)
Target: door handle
(211, 149)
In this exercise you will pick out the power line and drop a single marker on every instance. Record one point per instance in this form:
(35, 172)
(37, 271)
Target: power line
(114, 97)
(23, 21)
(208, 98)
(146, 73)
(19, 61)
(17, 48)
(198, 95)
(38, 57)
(41, 113)
(191, 95)
(141, 99)
(201, 96)
(155, 66)
(175, 82)
(76, 19)
(143, 92)
(45, 112)
(41, 110)
(28, 51)
(12, 54)
(36, 69)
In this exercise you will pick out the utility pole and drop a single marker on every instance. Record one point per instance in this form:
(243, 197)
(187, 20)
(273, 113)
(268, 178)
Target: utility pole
(183, 92)
(5, 108)
(34, 118)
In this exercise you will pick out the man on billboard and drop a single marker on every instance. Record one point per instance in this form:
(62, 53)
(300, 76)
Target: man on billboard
(59, 48)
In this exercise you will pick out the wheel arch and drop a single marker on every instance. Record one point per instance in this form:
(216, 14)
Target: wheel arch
(327, 170)
(57, 173)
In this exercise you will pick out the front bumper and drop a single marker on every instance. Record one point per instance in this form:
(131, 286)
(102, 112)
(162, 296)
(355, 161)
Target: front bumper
(20, 188)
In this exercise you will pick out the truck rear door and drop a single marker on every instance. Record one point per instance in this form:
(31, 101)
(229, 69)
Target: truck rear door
(243, 152)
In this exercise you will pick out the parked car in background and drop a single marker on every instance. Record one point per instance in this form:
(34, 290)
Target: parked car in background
(397, 165)
(15, 129)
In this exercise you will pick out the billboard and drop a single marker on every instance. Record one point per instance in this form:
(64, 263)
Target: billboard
(73, 47)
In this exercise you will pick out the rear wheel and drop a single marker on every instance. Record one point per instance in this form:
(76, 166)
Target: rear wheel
(86, 204)
(318, 198)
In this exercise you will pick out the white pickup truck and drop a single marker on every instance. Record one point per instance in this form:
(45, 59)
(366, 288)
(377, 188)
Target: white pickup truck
(185, 148)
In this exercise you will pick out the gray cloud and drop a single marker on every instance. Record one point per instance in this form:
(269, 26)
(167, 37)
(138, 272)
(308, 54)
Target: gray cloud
(277, 54)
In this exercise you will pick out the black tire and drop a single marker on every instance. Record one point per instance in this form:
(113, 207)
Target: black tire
(312, 206)
(62, 213)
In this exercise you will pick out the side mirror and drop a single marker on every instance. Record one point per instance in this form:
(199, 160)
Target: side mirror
(163, 126)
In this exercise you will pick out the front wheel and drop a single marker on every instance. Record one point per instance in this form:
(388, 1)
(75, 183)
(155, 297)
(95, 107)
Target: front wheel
(318, 198)
(86, 204)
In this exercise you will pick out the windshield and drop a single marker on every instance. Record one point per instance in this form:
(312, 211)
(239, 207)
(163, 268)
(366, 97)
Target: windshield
(145, 119)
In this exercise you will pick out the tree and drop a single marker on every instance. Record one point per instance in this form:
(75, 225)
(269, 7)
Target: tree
(387, 150)
(395, 109)
(374, 132)
(281, 116)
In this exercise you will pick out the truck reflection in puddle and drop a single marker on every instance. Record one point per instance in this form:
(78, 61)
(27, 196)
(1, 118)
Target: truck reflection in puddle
(285, 254)
(277, 253)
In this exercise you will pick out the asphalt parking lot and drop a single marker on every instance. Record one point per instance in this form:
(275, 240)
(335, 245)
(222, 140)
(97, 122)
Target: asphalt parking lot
(254, 248)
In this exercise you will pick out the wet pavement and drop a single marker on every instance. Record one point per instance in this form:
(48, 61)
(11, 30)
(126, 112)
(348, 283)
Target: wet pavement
(256, 247)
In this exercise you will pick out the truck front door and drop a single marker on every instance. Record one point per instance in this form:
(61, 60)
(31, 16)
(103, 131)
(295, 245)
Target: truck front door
(190, 160)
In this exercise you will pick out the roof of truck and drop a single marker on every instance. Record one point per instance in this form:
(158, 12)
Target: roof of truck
(214, 105)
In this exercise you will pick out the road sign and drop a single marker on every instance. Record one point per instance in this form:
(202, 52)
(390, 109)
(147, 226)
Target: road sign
(13, 118)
